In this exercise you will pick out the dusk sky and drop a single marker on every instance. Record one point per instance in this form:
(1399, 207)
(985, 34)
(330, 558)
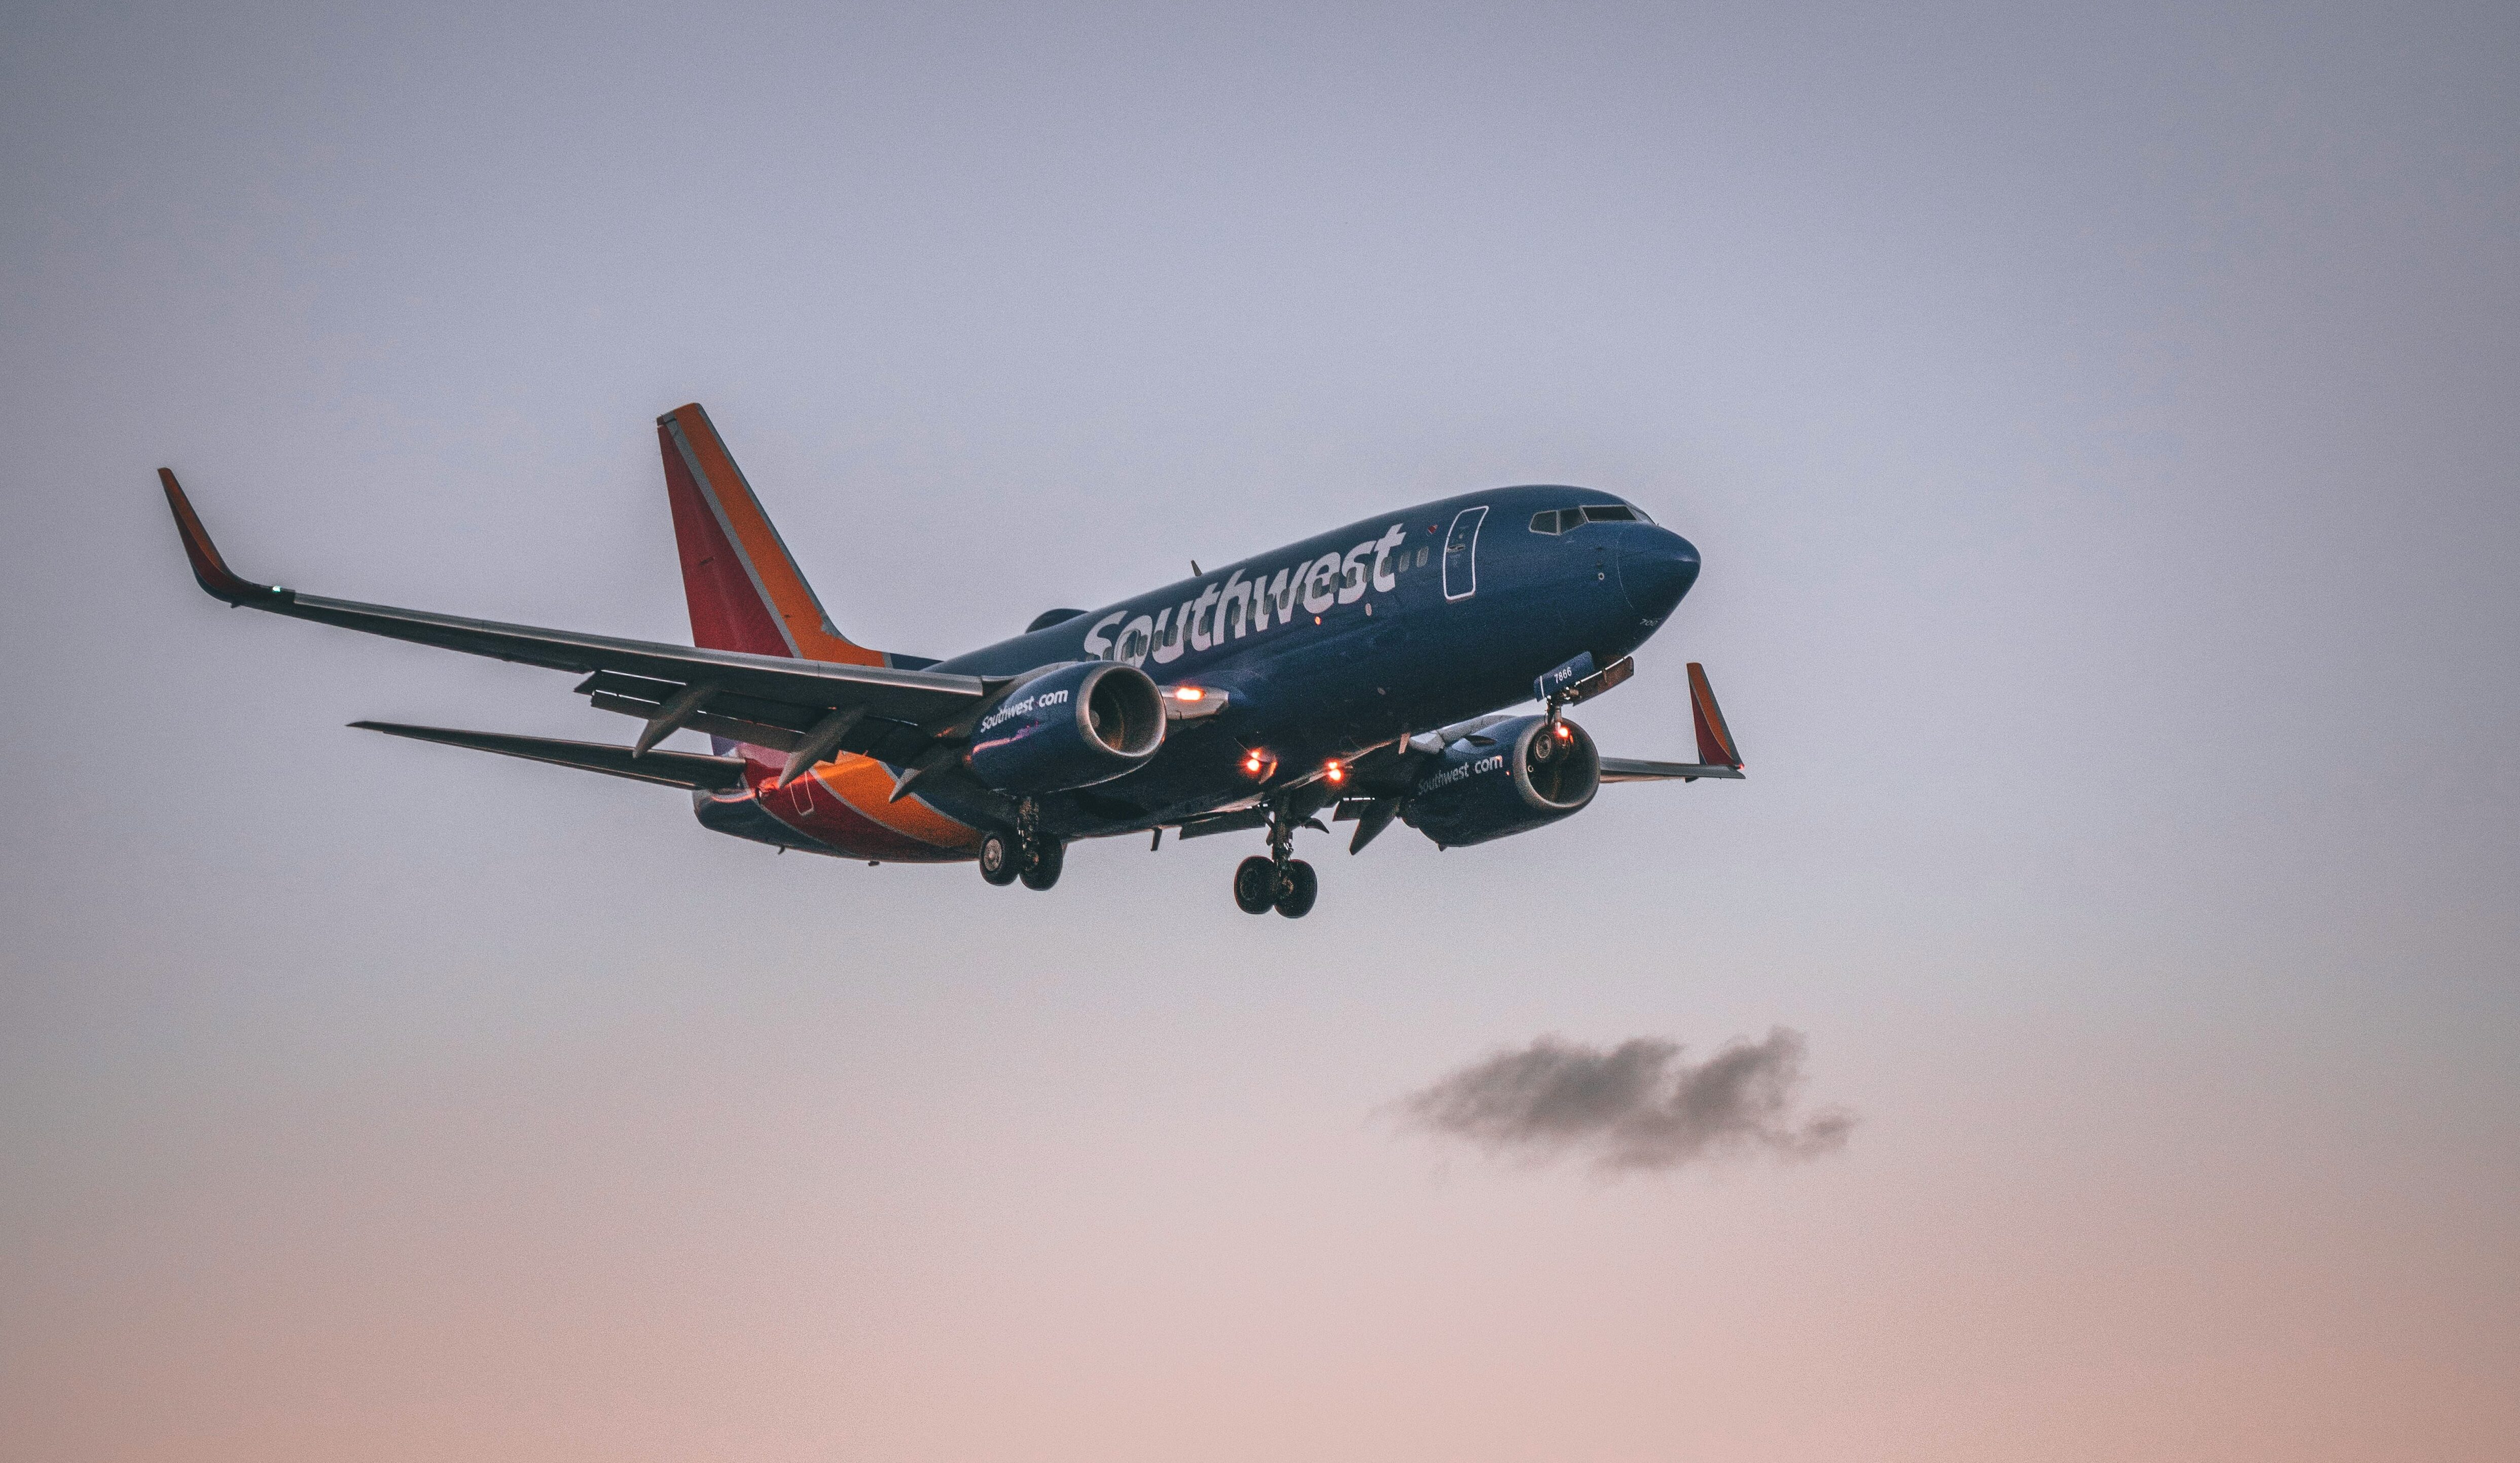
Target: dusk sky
(2101, 428)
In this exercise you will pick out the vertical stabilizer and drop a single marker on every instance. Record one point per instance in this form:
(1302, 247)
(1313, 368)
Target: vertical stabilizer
(745, 592)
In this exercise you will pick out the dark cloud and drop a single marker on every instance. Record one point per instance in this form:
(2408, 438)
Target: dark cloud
(1635, 1106)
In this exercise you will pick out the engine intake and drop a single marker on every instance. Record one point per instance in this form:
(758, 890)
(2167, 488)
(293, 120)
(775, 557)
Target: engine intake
(1067, 727)
(1511, 777)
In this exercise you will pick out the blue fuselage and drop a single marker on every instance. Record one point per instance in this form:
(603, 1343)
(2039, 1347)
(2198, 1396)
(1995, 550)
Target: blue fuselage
(1393, 625)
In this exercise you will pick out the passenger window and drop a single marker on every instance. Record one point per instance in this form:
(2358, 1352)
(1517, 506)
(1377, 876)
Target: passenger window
(1422, 556)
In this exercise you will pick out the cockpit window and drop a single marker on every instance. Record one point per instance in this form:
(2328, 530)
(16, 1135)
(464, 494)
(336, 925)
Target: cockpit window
(1568, 519)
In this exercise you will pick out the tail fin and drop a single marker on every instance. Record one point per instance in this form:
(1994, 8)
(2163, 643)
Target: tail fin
(745, 593)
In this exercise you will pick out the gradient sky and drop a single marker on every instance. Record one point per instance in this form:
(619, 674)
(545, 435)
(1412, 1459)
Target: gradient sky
(2099, 426)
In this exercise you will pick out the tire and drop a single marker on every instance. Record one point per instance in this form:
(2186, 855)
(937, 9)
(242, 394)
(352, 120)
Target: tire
(1047, 861)
(998, 859)
(1302, 888)
(1255, 885)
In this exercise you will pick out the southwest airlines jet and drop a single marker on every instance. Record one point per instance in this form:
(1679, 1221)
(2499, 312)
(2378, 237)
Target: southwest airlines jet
(1364, 672)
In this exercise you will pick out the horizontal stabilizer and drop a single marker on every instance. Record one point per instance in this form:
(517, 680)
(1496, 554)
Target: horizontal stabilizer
(670, 769)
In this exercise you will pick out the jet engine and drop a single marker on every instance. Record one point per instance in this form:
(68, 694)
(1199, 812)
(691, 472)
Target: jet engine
(1071, 727)
(1510, 777)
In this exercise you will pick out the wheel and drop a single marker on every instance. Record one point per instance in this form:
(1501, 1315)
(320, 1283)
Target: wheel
(1047, 861)
(1302, 887)
(998, 859)
(1255, 885)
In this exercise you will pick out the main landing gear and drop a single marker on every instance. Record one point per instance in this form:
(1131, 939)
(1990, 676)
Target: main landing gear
(1262, 884)
(1277, 880)
(1025, 854)
(1047, 858)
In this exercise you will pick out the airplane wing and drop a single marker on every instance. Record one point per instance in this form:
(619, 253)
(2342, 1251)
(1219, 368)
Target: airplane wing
(1717, 755)
(808, 709)
(1377, 782)
(1629, 770)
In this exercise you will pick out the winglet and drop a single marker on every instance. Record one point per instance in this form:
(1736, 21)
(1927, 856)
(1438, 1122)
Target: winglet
(1714, 738)
(208, 567)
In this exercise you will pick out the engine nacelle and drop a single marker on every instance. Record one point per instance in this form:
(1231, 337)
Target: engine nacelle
(1072, 726)
(1523, 777)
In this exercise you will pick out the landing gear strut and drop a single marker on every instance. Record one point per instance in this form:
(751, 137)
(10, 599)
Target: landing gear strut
(1279, 880)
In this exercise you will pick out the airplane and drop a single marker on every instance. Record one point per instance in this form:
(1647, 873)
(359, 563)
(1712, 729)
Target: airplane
(1364, 672)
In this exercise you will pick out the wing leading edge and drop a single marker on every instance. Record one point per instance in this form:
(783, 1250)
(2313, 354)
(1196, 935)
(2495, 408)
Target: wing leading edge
(1630, 770)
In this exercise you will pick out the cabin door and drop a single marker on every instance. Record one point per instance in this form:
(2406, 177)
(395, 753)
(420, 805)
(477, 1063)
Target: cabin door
(1462, 555)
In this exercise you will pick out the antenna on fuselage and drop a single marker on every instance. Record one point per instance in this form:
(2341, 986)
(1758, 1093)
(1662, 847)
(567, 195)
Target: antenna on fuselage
(1194, 569)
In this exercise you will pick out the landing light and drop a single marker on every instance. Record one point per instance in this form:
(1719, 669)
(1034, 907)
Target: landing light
(1335, 770)
(1255, 763)
(1564, 733)
(1187, 704)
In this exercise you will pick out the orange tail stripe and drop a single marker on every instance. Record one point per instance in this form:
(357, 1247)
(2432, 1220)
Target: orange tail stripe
(863, 784)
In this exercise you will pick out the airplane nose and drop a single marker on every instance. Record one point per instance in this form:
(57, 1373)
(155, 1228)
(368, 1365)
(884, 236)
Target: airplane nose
(1656, 567)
